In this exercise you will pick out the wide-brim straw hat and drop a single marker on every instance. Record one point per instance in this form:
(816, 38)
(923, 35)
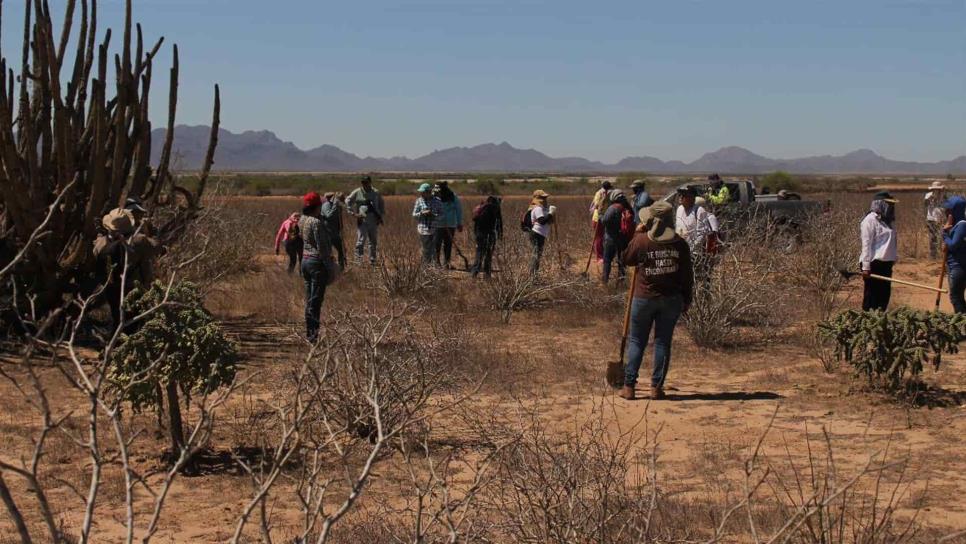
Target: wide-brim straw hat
(119, 220)
(886, 196)
(658, 221)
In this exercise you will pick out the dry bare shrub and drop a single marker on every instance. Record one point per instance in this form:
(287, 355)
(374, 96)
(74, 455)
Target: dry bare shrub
(736, 295)
(817, 503)
(402, 274)
(588, 485)
(513, 287)
(829, 244)
(229, 241)
(367, 387)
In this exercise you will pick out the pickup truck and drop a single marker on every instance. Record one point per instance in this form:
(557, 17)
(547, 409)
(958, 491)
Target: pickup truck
(782, 207)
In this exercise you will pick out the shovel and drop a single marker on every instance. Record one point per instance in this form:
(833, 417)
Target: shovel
(849, 274)
(942, 275)
(615, 370)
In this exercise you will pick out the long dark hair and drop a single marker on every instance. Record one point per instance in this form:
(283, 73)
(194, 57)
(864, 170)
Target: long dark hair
(445, 193)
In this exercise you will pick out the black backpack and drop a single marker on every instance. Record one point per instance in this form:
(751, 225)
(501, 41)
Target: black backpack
(526, 222)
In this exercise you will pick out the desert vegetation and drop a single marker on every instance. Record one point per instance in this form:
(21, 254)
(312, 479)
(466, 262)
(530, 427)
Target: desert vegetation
(435, 407)
(439, 408)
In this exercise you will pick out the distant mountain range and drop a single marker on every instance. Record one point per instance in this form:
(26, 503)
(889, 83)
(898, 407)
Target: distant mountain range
(263, 151)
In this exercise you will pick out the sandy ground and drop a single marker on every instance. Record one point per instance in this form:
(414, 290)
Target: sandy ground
(719, 403)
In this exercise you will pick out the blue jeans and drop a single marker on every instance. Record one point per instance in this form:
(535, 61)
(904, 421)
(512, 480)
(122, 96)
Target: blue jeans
(661, 314)
(613, 249)
(315, 275)
(957, 286)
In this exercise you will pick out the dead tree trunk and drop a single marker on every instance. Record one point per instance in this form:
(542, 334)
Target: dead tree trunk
(64, 140)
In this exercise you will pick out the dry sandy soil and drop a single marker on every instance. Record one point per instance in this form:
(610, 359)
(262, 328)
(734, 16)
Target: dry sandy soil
(719, 404)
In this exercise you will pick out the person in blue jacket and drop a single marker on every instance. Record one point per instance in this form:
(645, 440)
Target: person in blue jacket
(954, 236)
(449, 223)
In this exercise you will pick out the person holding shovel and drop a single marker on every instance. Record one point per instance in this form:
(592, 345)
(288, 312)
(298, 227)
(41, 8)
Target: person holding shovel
(879, 251)
(618, 228)
(954, 236)
(597, 208)
(662, 291)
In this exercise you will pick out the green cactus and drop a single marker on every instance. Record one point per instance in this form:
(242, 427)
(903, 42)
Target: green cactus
(891, 348)
(178, 347)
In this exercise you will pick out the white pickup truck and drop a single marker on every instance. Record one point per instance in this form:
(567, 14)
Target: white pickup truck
(783, 207)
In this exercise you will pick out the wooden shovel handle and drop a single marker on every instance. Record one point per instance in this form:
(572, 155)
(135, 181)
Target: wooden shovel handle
(942, 275)
(627, 313)
(909, 283)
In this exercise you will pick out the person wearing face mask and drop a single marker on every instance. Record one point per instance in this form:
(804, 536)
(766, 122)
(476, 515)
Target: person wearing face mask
(879, 251)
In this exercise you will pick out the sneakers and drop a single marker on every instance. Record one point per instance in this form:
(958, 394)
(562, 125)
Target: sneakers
(626, 392)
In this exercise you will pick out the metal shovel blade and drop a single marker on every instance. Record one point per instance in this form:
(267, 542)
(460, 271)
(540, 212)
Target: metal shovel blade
(615, 374)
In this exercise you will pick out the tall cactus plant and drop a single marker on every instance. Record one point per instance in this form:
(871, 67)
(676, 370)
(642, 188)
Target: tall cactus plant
(73, 145)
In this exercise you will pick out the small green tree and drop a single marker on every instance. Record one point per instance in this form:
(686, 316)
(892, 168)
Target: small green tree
(177, 347)
(891, 348)
(778, 180)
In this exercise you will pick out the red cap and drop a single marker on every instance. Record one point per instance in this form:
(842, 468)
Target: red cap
(311, 200)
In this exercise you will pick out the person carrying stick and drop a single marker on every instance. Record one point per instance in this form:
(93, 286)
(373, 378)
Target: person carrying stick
(879, 251)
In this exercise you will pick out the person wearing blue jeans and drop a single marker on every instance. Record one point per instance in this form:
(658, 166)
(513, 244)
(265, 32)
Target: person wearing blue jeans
(954, 236)
(662, 291)
(318, 267)
(614, 239)
(660, 314)
(316, 277)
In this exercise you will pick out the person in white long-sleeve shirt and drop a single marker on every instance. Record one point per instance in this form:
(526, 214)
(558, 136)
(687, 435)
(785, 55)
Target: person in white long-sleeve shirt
(879, 251)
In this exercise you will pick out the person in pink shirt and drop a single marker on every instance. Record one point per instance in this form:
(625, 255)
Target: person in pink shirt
(288, 234)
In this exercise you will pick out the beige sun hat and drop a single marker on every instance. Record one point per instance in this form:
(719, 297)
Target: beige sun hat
(658, 221)
(937, 186)
(119, 220)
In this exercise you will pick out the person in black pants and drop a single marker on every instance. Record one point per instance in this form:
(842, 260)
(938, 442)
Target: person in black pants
(487, 228)
(879, 251)
(877, 293)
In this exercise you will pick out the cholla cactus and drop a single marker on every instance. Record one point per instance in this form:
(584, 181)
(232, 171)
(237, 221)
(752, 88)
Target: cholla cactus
(892, 348)
(177, 347)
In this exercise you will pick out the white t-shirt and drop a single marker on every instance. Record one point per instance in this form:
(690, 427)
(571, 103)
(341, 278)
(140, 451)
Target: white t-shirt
(536, 213)
(692, 225)
(934, 208)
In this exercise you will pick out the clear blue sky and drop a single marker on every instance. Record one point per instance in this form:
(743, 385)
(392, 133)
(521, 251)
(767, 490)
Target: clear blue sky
(598, 79)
